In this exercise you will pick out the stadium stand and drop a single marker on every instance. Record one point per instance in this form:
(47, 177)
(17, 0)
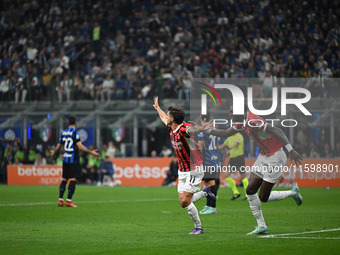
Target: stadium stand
(86, 57)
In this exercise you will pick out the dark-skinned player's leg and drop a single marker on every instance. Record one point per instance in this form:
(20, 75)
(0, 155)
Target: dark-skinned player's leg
(267, 195)
(255, 182)
(265, 190)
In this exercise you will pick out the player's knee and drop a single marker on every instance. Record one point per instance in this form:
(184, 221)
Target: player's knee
(263, 198)
(184, 202)
(250, 191)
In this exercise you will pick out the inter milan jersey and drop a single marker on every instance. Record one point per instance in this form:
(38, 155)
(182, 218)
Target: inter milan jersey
(210, 152)
(187, 150)
(255, 127)
(69, 139)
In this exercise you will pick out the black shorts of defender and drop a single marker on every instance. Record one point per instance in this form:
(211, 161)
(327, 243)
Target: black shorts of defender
(71, 171)
(237, 164)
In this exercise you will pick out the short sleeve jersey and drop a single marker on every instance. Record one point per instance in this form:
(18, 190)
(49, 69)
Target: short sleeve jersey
(186, 149)
(210, 152)
(69, 139)
(255, 127)
(238, 150)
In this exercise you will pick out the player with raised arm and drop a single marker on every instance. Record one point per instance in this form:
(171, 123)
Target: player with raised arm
(190, 172)
(70, 139)
(268, 166)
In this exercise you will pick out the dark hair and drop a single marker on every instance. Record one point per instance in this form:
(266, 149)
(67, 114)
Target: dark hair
(205, 116)
(177, 113)
(72, 120)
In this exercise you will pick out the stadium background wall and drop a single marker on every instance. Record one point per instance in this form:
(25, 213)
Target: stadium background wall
(151, 172)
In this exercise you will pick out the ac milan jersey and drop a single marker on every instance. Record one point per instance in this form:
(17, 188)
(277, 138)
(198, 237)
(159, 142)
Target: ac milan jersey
(187, 150)
(255, 127)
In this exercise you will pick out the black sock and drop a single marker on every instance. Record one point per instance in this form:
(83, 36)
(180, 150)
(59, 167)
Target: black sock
(217, 184)
(213, 190)
(62, 188)
(209, 201)
(71, 189)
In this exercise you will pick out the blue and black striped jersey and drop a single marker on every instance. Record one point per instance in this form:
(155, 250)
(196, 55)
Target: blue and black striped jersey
(210, 151)
(69, 139)
(219, 141)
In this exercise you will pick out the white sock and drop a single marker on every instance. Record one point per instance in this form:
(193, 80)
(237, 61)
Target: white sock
(193, 213)
(197, 196)
(279, 195)
(255, 207)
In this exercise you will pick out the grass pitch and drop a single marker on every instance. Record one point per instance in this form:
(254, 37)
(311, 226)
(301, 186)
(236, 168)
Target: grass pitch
(138, 220)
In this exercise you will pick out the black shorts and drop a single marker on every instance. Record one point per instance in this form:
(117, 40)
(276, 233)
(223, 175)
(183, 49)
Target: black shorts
(209, 179)
(71, 171)
(236, 164)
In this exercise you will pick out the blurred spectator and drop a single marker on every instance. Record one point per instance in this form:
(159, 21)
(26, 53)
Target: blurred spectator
(337, 150)
(165, 152)
(103, 152)
(88, 88)
(106, 170)
(153, 154)
(20, 89)
(326, 151)
(36, 88)
(187, 83)
(313, 150)
(107, 89)
(7, 160)
(172, 174)
(4, 88)
(233, 39)
(32, 154)
(59, 161)
(65, 88)
(39, 160)
(92, 168)
(111, 150)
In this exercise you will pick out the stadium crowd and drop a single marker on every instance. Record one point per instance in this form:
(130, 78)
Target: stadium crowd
(107, 50)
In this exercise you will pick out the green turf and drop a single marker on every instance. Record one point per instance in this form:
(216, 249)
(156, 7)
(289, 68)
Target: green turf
(128, 220)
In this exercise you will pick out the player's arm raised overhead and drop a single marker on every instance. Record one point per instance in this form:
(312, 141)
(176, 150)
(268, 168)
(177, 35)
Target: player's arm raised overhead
(84, 149)
(161, 114)
(278, 133)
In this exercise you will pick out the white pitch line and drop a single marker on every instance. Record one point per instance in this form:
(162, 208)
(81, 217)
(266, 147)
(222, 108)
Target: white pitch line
(91, 202)
(301, 233)
(304, 237)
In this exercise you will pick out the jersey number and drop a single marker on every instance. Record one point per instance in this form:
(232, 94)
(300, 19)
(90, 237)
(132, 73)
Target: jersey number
(212, 145)
(68, 144)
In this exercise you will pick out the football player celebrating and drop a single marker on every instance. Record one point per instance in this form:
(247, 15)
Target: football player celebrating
(269, 164)
(190, 172)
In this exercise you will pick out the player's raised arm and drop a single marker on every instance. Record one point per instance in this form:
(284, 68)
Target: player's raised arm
(84, 149)
(278, 133)
(161, 114)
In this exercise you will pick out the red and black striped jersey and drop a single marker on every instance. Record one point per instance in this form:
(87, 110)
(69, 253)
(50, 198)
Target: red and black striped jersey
(187, 150)
(255, 127)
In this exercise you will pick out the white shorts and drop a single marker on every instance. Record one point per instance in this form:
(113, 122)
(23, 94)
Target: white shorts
(270, 168)
(190, 181)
